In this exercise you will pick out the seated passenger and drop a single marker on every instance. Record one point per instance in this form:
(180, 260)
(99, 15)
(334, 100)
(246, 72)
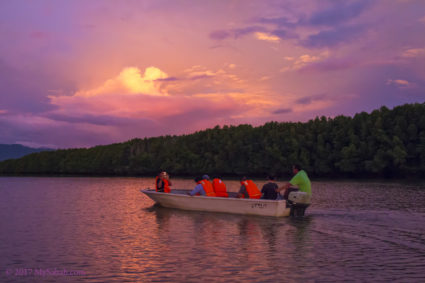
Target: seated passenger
(163, 183)
(219, 188)
(269, 189)
(207, 180)
(248, 189)
(203, 188)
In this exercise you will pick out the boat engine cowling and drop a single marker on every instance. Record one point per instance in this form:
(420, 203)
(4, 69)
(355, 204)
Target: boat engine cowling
(298, 201)
(299, 197)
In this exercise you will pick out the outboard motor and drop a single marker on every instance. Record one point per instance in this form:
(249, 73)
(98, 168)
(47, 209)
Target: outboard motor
(298, 202)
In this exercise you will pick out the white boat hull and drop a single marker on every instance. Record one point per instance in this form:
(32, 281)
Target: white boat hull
(182, 200)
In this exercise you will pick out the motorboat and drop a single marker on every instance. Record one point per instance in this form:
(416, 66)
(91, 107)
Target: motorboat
(295, 205)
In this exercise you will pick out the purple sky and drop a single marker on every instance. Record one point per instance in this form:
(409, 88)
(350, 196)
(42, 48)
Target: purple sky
(84, 73)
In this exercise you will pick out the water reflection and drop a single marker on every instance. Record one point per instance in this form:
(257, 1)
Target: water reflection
(254, 244)
(107, 228)
(162, 217)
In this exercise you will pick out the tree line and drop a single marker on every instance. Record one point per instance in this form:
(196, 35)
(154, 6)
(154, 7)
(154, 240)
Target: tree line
(383, 143)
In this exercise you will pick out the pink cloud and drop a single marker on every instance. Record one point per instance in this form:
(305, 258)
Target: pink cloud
(123, 104)
(400, 83)
(132, 95)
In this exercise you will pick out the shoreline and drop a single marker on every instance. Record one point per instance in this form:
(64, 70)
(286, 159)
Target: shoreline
(412, 181)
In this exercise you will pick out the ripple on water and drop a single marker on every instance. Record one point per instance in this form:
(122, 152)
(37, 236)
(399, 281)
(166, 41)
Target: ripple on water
(107, 228)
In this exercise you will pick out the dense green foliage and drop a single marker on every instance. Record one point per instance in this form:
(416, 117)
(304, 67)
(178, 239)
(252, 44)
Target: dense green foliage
(384, 143)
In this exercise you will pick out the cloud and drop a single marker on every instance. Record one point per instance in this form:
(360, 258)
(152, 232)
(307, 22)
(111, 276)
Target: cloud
(279, 21)
(399, 83)
(339, 13)
(318, 102)
(305, 59)
(2, 111)
(329, 65)
(153, 100)
(333, 37)
(129, 81)
(414, 52)
(285, 34)
(199, 71)
(101, 120)
(267, 37)
(37, 130)
(201, 74)
(333, 24)
(201, 80)
(90, 94)
(24, 89)
(306, 100)
(327, 27)
(169, 79)
(220, 34)
(302, 61)
(235, 33)
(331, 15)
(126, 95)
(282, 111)
(260, 33)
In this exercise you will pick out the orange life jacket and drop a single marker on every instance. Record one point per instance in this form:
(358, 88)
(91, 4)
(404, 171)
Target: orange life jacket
(220, 188)
(252, 189)
(208, 188)
(167, 188)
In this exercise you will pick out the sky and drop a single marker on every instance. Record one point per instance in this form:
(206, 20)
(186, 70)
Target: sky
(84, 73)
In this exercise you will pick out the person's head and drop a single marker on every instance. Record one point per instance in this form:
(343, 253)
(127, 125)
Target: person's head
(270, 178)
(205, 177)
(296, 168)
(197, 179)
(243, 179)
(163, 175)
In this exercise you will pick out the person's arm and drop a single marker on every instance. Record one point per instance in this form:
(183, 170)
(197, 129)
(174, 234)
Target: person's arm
(263, 191)
(284, 187)
(160, 185)
(242, 192)
(197, 190)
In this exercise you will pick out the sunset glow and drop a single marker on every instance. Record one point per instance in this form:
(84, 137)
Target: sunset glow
(83, 73)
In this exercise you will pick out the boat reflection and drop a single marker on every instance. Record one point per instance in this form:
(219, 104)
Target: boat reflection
(244, 236)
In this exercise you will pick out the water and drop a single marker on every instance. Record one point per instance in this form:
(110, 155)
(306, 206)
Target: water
(105, 230)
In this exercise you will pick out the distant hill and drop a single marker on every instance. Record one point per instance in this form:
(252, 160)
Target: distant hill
(13, 151)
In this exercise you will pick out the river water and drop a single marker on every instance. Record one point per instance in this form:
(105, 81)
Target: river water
(106, 230)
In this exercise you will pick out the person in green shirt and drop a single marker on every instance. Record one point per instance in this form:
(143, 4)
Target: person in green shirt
(299, 180)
